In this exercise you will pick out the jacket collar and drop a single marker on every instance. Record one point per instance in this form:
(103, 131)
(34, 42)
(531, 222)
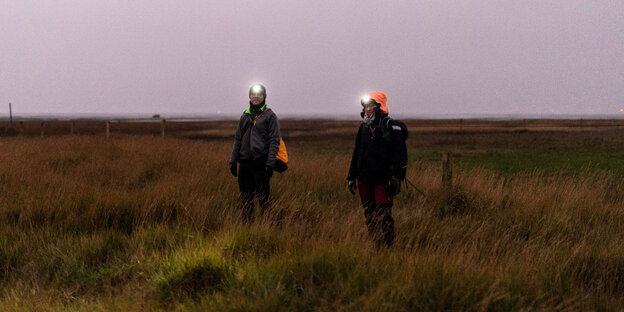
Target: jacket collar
(379, 120)
(248, 110)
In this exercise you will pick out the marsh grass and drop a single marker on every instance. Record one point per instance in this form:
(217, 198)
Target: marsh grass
(144, 223)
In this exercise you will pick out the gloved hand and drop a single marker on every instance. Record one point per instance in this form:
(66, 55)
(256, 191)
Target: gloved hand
(352, 186)
(268, 171)
(394, 187)
(233, 169)
(402, 173)
(399, 173)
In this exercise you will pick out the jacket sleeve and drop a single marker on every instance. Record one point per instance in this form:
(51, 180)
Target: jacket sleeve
(237, 143)
(274, 134)
(399, 151)
(353, 171)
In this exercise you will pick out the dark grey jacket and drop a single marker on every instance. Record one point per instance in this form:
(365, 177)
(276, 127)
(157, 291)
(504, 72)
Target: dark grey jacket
(265, 136)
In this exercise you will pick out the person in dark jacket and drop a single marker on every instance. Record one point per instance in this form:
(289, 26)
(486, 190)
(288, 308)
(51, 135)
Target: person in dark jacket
(377, 166)
(256, 144)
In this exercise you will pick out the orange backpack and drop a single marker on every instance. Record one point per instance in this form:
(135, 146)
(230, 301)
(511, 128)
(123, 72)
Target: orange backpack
(281, 161)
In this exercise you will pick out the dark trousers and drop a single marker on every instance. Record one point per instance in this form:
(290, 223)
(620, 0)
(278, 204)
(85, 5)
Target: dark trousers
(378, 211)
(253, 183)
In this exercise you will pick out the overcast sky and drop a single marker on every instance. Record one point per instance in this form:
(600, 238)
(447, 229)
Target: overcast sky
(314, 57)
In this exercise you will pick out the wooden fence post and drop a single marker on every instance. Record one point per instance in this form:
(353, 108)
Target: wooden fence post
(42, 124)
(107, 129)
(21, 128)
(447, 173)
(162, 128)
(71, 128)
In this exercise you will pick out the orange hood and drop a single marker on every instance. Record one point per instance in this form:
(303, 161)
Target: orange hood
(380, 98)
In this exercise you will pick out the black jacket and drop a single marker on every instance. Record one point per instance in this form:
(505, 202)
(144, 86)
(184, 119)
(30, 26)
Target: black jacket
(265, 136)
(379, 152)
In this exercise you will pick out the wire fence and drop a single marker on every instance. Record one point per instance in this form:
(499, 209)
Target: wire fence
(108, 128)
(225, 128)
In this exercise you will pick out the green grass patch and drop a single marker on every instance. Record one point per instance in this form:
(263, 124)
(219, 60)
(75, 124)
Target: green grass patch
(192, 277)
(549, 162)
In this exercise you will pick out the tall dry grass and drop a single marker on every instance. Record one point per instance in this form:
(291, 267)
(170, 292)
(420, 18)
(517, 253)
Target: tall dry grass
(151, 223)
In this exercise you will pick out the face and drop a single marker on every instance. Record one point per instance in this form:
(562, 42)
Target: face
(369, 110)
(256, 98)
(369, 106)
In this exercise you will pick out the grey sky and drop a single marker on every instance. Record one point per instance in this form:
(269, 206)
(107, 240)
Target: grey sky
(199, 57)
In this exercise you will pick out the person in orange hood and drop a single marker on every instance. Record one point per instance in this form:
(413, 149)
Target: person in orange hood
(378, 163)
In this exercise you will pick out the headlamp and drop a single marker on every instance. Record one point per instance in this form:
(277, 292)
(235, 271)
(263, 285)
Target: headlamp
(256, 89)
(366, 101)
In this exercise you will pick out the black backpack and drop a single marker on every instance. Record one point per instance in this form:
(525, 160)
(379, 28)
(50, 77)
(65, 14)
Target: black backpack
(389, 124)
(386, 127)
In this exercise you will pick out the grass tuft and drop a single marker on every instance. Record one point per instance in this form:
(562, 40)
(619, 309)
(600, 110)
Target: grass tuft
(195, 279)
(252, 242)
(598, 273)
(453, 204)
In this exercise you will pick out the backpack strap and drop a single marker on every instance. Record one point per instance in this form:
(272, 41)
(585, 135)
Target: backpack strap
(388, 119)
(254, 121)
(385, 126)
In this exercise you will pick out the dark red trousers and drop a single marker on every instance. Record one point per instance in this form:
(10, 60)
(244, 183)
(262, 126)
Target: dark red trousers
(378, 211)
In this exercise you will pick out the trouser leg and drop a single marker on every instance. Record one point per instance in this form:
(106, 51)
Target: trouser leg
(369, 214)
(387, 223)
(378, 212)
(367, 196)
(246, 185)
(263, 190)
(384, 212)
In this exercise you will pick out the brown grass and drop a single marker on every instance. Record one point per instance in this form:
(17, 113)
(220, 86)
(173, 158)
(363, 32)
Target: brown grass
(140, 222)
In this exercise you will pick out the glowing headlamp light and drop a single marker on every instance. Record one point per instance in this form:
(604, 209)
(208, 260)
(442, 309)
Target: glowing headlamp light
(367, 101)
(256, 89)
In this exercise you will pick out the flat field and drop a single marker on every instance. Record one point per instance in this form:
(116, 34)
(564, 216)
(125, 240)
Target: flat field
(139, 222)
